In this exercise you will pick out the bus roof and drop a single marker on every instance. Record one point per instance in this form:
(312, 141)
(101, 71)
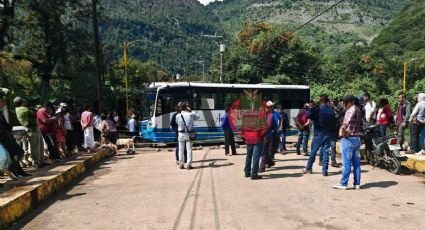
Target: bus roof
(218, 85)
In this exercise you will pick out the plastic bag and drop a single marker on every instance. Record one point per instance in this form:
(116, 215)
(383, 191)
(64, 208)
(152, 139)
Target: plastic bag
(4, 159)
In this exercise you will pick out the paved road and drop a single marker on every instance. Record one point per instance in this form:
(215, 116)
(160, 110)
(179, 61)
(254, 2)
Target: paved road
(148, 191)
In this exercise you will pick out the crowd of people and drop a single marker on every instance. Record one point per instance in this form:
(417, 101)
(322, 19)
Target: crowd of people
(331, 120)
(52, 133)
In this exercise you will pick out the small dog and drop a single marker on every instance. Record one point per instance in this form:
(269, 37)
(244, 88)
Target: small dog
(126, 142)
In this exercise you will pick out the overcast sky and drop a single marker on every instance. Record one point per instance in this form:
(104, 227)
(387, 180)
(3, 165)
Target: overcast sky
(205, 2)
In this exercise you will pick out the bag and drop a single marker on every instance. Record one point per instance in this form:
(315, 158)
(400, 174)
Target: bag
(5, 160)
(192, 135)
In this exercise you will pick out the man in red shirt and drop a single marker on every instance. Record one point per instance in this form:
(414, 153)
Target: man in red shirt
(303, 126)
(48, 125)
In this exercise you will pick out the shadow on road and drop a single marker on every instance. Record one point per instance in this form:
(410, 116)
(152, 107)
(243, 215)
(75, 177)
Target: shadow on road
(380, 184)
(283, 175)
(209, 160)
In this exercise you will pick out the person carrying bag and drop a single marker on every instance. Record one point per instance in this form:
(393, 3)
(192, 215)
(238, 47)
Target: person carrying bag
(186, 134)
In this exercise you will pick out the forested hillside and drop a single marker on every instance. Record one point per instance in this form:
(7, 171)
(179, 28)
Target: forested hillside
(170, 31)
(351, 22)
(407, 32)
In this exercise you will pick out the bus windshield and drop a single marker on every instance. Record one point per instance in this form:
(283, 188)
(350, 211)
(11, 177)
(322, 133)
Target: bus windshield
(150, 97)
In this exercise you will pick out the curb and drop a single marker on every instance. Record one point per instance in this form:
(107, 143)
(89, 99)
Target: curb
(28, 200)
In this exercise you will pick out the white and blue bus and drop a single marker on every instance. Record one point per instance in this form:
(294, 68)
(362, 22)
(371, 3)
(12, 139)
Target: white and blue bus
(209, 101)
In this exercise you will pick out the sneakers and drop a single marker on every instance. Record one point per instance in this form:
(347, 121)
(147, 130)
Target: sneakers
(357, 187)
(307, 171)
(339, 186)
(247, 175)
(325, 174)
(181, 166)
(189, 167)
(306, 154)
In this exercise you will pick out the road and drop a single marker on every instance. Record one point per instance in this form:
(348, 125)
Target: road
(148, 191)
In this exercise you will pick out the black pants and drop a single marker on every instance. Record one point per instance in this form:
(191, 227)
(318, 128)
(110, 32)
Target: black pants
(51, 146)
(415, 130)
(70, 140)
(229, 139)
(15, 151)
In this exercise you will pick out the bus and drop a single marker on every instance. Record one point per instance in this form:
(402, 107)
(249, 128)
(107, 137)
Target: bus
(209, 100)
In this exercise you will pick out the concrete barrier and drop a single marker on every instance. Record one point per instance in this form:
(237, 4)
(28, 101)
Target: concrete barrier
(21, 200)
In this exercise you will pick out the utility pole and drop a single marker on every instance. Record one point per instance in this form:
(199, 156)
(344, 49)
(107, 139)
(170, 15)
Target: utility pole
(202, 62)
(222, 49)
(97, 56)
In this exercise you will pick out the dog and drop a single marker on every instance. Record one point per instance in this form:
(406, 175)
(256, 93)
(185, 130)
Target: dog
(127, 142)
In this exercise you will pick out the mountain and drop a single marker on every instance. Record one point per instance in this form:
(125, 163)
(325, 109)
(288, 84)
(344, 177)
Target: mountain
(169, 32)
(407, 32)
(351, 22)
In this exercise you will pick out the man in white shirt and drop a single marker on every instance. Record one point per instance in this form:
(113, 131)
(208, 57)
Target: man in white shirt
(185, 121)
(131, 125)
(370, 108)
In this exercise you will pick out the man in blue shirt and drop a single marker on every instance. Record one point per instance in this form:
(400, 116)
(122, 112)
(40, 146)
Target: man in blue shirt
(324, 121)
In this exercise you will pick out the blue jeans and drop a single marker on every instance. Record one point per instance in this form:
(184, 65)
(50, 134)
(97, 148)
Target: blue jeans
(333, 150)
(253, 158)
(303, 139)
(320, 139)
(282, 143)
(350, 153)
(383, 130)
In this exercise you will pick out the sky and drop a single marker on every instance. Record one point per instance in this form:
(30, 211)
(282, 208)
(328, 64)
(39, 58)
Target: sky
(205, 2)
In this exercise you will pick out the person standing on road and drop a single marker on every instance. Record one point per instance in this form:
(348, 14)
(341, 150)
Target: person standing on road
(324, 120)
(229, 137)
(402, 117)
(283, 126)
(87, 124)
(185, 122)
(350, 132)
(131, 125)
(417, 121)
(303, 126)
(384, 118)
(369, 108)
(267, 153)
(175, 127)
(254, 129)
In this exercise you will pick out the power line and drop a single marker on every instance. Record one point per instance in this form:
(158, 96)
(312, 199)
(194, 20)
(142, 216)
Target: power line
(318, 16)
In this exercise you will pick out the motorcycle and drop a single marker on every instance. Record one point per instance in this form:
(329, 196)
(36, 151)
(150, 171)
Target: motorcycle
(382, 150)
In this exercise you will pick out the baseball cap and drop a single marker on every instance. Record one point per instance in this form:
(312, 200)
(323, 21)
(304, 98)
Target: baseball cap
(269, 104)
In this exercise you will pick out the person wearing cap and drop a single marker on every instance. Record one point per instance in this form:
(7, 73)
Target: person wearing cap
(273, 121)
(15, 151)
(303, 125)
(324, 120)
(28, 118)
(185, 121)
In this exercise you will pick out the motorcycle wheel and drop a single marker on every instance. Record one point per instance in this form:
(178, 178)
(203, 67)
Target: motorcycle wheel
(394, 166)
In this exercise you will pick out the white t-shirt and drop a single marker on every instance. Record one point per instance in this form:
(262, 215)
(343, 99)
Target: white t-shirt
(369, 107)
(131, 125)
